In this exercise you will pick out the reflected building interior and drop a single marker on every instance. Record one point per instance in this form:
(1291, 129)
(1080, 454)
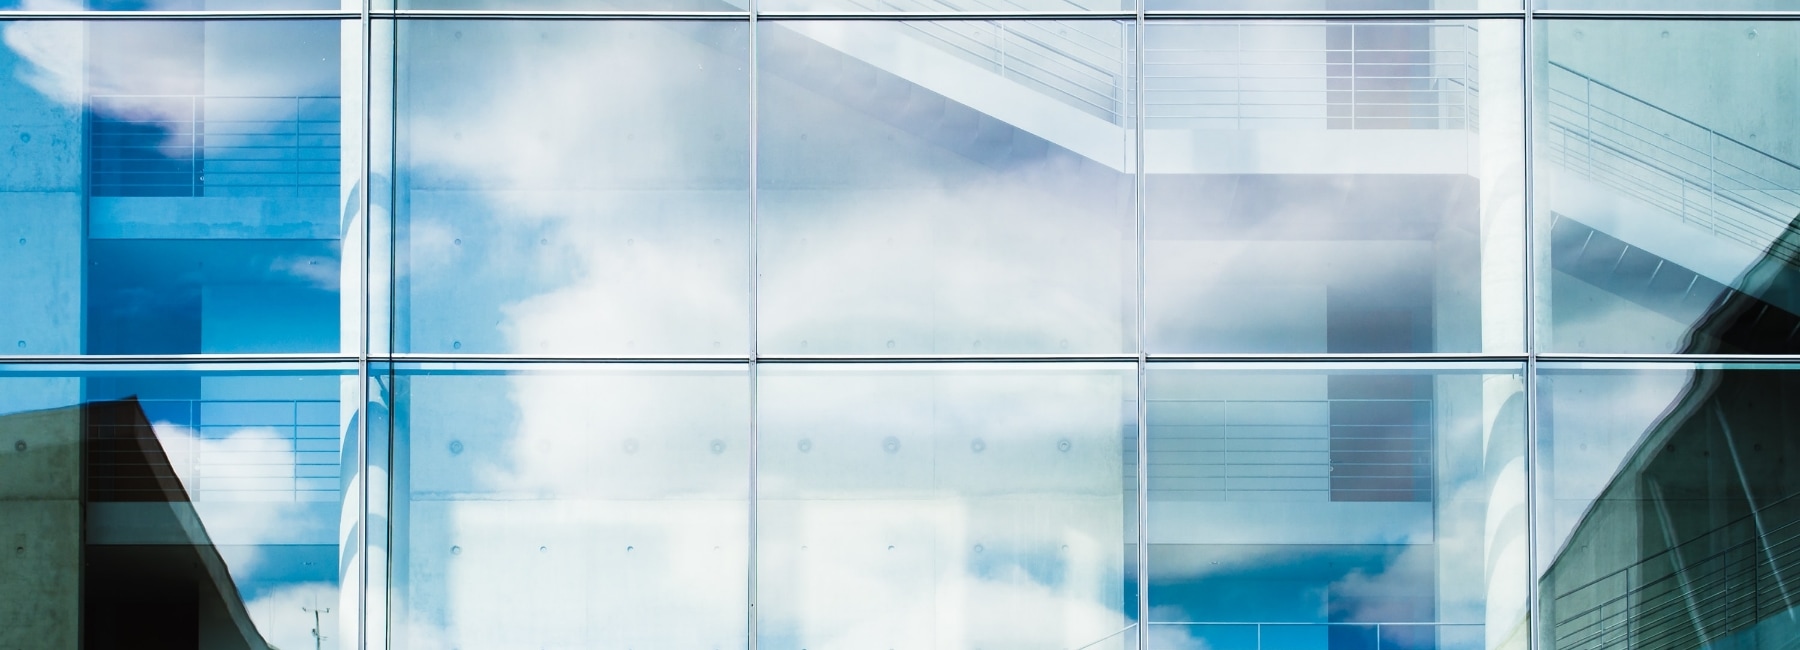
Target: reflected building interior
(1423, 325)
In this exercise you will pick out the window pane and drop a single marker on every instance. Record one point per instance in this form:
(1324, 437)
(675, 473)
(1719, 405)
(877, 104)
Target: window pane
(158, 507)
(178, 187)
(1667, 510)
(1664, 212)
(572, 187)
(571, 506)
(1370, 506)
(1334, 186)
(945, 187)
(946, 506)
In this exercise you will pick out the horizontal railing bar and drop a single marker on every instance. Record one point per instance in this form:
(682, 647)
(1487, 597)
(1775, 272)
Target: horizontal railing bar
(1663, 111)
(1701, 537)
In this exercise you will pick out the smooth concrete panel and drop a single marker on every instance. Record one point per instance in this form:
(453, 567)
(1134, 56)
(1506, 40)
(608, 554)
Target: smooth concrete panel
(40, 455)
(40, 261)
(40, 559)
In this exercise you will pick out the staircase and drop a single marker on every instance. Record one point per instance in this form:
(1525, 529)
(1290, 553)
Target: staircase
(1701, 592)
(1672, 166)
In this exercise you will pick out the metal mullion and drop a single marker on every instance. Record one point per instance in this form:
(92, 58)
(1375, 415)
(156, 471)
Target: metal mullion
(1679, 14)
(1333, 16)
(363, 597)
(296, 14)
(455, 14)
(1248, 358)
(1140, 220)
(950, 15)
(143, 359)
(1323, 358)
(751, 548)
(1734, 359)
(369, 14)
(1528, 85)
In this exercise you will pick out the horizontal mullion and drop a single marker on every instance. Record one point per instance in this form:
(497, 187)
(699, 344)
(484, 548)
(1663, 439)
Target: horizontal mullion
(1248, 359)
(272, 14)
(1152, 15)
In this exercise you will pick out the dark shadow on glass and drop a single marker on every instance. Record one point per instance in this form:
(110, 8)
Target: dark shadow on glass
(174, 594)
(1695, 542)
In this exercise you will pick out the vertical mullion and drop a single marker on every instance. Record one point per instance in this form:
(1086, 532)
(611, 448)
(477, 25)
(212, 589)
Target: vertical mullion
(751, 548)
(1528, 82)
(365, 546)
(1143, 428)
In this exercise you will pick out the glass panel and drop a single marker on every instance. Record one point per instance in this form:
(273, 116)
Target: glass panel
(1374, 506)
(1332, 5)
(570, 506)
(946, 506)
(945, 6)
(945, 187)
(572, 187)
(1665, 215)
(1668, 514)
(177, 187)
(158, 507)
(1334, 186)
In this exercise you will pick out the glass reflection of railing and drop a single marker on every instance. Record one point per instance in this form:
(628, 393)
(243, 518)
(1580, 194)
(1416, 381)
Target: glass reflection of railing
(1324, 450)
(1081, 63)
(193, 145)
(1368, 636)
(1313, 75)
(228, 450)
(1699, 592)
(1700, 176)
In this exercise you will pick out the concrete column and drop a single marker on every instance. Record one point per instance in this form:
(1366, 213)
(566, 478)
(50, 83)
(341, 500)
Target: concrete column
(41, 225)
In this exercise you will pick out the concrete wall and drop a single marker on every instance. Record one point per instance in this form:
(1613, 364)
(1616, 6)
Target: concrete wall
(40, 194)
(40, 529)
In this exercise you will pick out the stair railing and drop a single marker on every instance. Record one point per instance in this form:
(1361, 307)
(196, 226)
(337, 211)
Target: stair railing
(1705, 596)
(1081, 63)
(1702, 177)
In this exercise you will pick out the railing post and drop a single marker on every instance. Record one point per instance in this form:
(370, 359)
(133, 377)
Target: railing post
(1587, 114)
(1712, 181)
(1125, 76)
(196, 179)
(1000, 47)
(1630, 638)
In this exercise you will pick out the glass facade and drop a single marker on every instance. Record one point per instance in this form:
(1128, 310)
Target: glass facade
(818, 324)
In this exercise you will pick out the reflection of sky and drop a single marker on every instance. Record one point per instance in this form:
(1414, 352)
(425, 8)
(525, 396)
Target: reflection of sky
(586, 508)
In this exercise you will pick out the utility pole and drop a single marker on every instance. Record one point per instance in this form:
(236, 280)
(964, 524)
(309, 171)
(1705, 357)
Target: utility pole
(318, 639)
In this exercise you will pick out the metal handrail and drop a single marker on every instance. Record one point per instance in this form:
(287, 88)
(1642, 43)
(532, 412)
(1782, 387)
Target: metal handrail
(1309, 473)
(1705, 598)
(1705, 178)
(1379, 628)
(168, 145)
(1223, 83)
(1092, 72)
(290, 429)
